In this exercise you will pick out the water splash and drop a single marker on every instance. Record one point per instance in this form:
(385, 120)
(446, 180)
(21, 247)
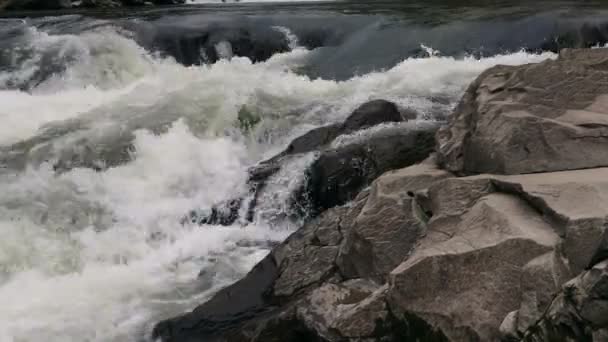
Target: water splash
(100, 255)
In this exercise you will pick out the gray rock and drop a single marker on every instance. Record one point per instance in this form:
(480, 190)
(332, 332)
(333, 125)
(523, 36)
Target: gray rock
(500, 244)
(550, 116)
(276, 284)
(372, 113)
(390, 223)
(339, 174)
(475, 259)
(465, 277)
(578, 313)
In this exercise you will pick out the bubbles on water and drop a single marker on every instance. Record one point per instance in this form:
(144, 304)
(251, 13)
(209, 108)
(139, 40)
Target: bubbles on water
(292, 39)
(47, 63)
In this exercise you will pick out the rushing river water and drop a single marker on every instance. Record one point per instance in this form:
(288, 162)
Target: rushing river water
(114, 125)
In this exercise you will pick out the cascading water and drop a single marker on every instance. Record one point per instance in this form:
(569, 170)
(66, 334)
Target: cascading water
(106, 144)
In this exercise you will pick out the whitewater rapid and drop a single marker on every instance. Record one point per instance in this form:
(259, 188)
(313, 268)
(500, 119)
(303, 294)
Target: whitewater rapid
(102, 255)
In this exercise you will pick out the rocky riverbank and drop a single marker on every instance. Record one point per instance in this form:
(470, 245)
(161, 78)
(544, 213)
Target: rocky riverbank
(500, 235)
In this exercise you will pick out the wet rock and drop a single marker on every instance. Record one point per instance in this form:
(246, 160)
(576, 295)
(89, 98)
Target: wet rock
(220, 41)
(544, 117)
(225, 214)
(101, 3)
(338, 175)
(229, 308)
(370, 114)
(340, 172)
(289, 271)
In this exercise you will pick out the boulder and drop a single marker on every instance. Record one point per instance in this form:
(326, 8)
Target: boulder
(218, 41)
(263, 300)
(300, 287)
(340, 173)
(389, 224)
(578, 313)
(341, 170)
(465, 277)
(423, 255)
(497, 247)
(444, 259)
(367, 115)
(550, 116)
(373, 113)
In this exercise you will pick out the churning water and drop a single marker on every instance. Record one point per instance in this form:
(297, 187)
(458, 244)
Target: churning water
(107, 142)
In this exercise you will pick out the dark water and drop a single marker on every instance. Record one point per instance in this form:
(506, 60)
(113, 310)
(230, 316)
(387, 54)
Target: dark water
(352, 37)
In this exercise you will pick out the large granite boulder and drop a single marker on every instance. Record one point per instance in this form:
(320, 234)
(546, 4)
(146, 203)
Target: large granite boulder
(498, 247)
(550, 116)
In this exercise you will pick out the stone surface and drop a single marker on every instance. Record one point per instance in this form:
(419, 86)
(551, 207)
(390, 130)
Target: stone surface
(370, 114)
(299, 263)
(390, 223)
(455, 259)
(465, 278)
(579, 312)
(550, 116)
(497, 245)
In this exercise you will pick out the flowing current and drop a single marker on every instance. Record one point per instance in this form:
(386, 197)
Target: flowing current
(102, 156)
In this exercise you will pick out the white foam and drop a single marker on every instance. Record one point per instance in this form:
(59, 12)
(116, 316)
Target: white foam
(99, 256)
